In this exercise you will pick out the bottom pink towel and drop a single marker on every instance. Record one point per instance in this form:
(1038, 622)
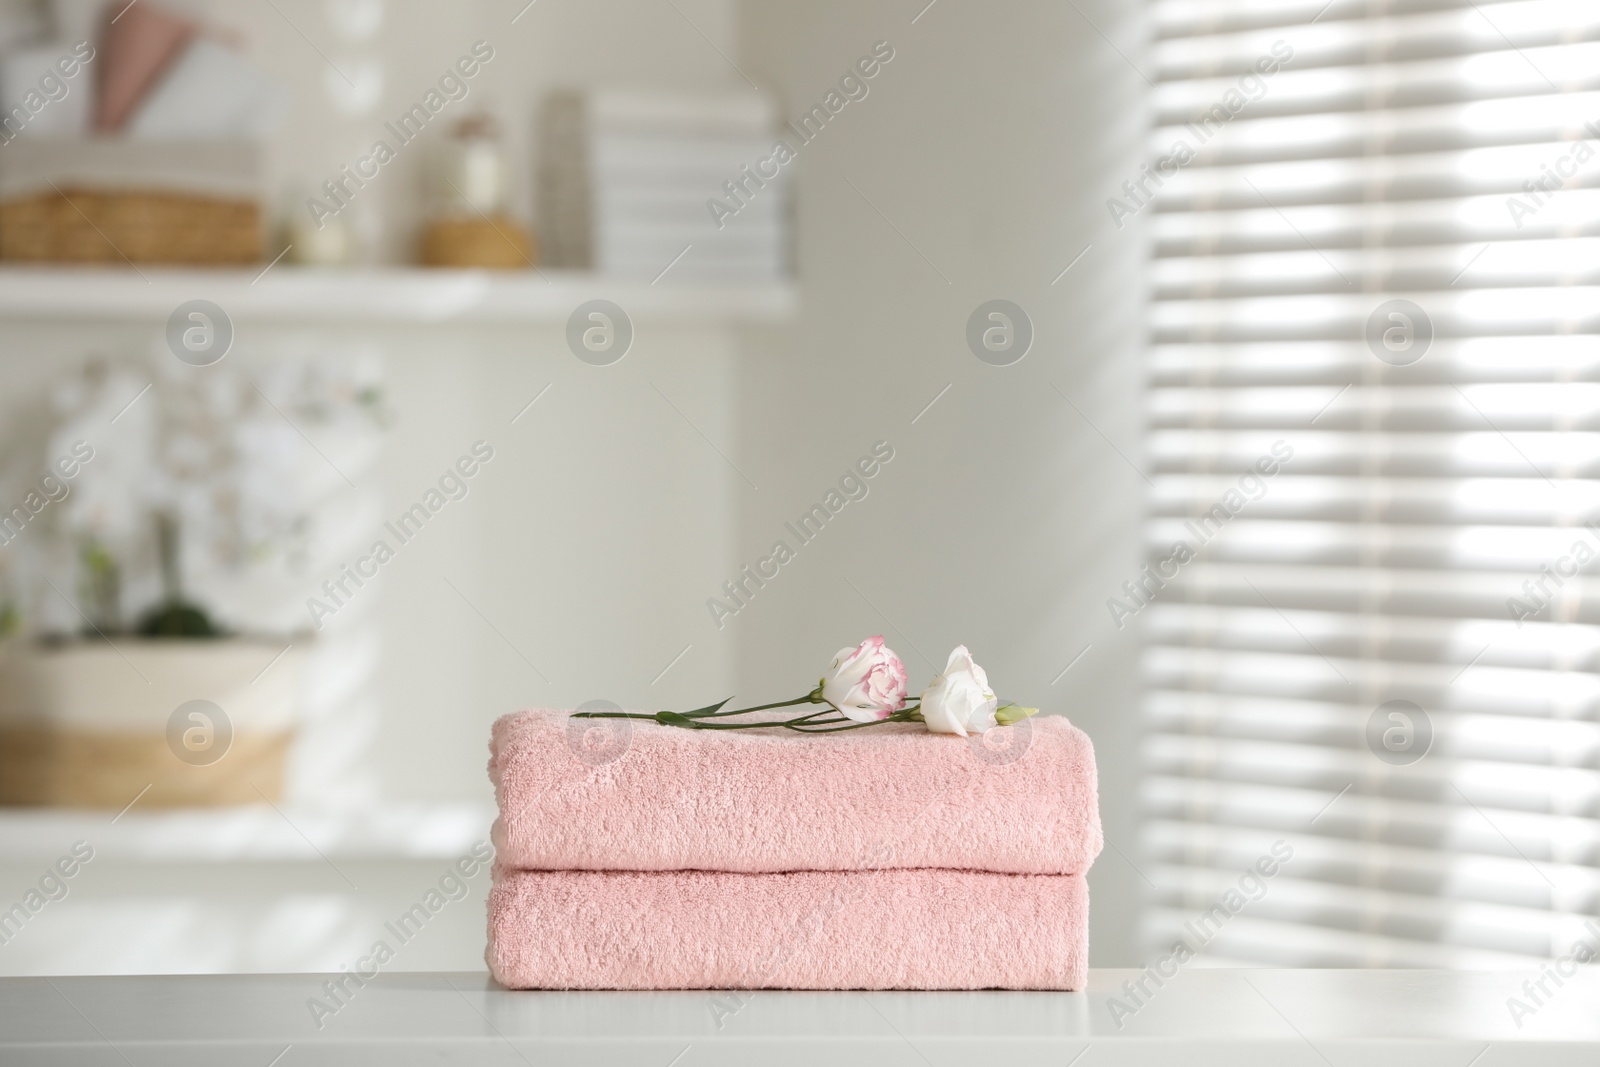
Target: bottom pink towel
(876, 929)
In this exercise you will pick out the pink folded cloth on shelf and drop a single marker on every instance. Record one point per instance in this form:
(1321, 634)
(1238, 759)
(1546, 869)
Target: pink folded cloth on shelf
(138, 45)
(607, 794)
(875, 929)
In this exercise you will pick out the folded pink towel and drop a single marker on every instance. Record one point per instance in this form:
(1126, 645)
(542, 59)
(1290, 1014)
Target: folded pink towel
(655, 798)
(886, 929)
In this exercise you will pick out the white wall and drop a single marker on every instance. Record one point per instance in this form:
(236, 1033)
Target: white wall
(989, 142)
(586, 544)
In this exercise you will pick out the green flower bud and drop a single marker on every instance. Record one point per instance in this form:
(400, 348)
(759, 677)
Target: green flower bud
(1010, 714)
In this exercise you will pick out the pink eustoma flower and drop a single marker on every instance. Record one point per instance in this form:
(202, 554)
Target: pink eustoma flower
(867, 683)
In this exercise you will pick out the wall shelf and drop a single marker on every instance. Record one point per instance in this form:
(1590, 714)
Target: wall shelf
(401, 296)
(247, 834)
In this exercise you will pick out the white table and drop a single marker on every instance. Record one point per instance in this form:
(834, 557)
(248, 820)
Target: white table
(1201, 1017)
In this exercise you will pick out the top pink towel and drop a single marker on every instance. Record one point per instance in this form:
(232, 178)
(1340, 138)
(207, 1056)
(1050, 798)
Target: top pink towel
(595, 794)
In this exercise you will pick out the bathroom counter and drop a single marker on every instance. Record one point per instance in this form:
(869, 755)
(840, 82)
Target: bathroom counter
(1201, 1017)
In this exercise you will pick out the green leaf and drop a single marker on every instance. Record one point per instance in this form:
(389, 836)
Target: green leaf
(707, 710)
(1011, 714)
(673, 718)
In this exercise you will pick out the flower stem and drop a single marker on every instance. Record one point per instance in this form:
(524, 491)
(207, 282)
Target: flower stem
(807, 699)
(696, 724)
(903, 715)
(813, 723)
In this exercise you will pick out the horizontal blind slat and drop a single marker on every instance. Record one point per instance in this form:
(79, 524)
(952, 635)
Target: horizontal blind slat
(1199, 18)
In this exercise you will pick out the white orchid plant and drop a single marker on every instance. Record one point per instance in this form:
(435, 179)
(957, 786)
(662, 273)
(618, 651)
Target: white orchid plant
(865, 686)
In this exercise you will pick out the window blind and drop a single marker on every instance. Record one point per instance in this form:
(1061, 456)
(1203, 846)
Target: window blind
(1426, 541)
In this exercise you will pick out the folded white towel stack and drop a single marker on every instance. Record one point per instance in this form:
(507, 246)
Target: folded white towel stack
(627, 182)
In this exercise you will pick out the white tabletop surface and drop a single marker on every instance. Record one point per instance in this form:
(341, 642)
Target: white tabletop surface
(1201, 1017)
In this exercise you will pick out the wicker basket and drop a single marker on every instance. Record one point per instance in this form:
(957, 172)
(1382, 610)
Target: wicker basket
(78, 727)
(500, 243)
(77, 225)
(41, 766)
(115, 200)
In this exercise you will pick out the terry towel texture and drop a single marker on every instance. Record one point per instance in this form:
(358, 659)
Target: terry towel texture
(886, 929)
(774, 800)
(637, 856)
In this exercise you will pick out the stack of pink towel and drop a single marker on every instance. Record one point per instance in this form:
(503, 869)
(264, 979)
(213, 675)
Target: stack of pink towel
(885, 858)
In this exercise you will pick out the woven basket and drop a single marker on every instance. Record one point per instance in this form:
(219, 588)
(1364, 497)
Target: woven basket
(79, 728)
(77, 225)
(41, 766)
(500, 243)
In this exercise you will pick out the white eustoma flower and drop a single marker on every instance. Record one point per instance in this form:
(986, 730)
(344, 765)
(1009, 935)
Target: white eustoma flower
(959, 700)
